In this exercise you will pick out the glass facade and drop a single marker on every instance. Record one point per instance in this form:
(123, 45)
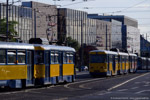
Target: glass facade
(75, 24)
(116, 35)
(103, 35)
(91, 32)
(21, 15)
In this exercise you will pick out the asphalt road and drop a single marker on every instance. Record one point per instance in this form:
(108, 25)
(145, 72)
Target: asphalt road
(126, 87)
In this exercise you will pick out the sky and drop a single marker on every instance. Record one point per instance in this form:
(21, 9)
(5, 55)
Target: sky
(137, 9)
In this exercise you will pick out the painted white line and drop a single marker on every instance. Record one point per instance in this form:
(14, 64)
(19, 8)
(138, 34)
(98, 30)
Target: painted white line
(146, 82)
(27, 90)
(104, 93)
(142, 91)
(35, 92)
(83, 87)
(137, 82)
(122, 90)
(91, 80)
(11, 93)
(134, 87)
(61, 99)
(127, 81)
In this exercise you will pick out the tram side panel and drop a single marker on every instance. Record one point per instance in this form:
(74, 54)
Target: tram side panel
(55, 70)
(68, 70)
(102, 64)
(14, 68)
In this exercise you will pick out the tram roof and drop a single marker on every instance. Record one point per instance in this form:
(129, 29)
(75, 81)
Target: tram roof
(143, 58)
(13, 45)
(105, 51)
(54, 47)
(132, 54)
(124, 54)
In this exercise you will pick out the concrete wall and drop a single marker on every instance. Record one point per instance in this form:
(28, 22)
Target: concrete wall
(46, 20)
(131, 39)
(116, 36)
(103, 35)
(72, 23)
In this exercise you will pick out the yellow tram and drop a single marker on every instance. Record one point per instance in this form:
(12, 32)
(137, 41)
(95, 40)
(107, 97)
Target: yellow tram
(103, 62)
(108, 63)
(23, 65)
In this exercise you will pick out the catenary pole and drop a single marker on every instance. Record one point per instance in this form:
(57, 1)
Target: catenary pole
(7, 26)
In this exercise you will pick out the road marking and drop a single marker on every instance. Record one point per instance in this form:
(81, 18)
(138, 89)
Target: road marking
(137, 82)
(61, 99)
(146, 82)
(127, 82)
(142, 91)
(67, 85)
(123, 90)
(134, 87)
(83, 87)
(104, 93)
(26, 90)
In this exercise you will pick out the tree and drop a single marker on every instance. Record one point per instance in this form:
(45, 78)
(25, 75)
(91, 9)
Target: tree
(72, 43)
(86, 51)
(12, 32)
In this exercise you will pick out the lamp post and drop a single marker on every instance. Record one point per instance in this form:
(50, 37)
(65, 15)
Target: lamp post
(34, 23)
(106, 37)
(81, 44)
(7, 30)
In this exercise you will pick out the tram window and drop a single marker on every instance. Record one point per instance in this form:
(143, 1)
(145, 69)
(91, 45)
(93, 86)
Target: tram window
(123, 59)
(56, 58)
(47, 57)
(116, 58)
(110, 58)
(64, 58)
(2, 56)
(60, 58)
(126, 59)
(52, 58)
(68, 58)
(98, 58)
(39, 58)
(71, 58)
(21, 57)
(11, 56)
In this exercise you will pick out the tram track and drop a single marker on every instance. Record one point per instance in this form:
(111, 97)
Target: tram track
(82, 85)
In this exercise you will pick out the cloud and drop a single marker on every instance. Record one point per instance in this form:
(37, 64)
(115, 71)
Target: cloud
(143, 6)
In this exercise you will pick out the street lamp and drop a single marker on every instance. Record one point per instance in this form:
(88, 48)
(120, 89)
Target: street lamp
(7, 31)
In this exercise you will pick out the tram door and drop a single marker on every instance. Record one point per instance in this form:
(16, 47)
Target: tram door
(30, 65)
(47, 65)
(121, 62)
(61, 61)
(114, 63)
(108, 62)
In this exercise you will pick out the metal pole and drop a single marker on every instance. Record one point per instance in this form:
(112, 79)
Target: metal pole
(7, 30)
(147, 52)
(34, 23)
(81, 44)
(106, 37)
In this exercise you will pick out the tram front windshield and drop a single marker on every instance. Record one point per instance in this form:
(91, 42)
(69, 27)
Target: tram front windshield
(97, 58)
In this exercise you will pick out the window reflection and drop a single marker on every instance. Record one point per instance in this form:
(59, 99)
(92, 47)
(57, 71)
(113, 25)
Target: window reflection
(21, 57)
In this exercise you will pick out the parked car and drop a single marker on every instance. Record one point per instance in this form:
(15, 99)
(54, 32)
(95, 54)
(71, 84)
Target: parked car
(84, 68)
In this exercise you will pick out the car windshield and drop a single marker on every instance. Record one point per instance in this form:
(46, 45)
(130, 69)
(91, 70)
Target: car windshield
(96, 58)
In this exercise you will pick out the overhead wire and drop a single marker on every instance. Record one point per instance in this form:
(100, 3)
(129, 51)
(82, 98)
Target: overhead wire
(76, 3)
(119, 11)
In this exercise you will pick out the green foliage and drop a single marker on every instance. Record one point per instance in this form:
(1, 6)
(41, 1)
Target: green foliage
(11, 29)
(72, 43)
